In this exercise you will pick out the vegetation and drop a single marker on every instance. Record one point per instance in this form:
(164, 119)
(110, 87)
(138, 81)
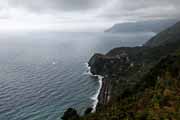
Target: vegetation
(144, 86)
(155, 97)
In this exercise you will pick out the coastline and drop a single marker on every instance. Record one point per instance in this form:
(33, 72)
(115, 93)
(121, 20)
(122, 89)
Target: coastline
(96, 97)
(104, 94)
(142, 82)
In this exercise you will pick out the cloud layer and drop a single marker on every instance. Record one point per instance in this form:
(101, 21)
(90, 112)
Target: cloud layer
(87, 11)
(62, 5)
(118, 8)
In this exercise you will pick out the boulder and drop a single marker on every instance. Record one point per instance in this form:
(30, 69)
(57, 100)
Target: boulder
(88, 111)
(70, 114)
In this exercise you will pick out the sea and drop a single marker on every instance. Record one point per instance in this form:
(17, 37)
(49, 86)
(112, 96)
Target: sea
(43, 73)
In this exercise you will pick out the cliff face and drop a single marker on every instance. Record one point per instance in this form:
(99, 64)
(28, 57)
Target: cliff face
(107, 65)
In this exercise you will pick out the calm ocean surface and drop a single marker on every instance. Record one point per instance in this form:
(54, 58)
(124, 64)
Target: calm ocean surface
(44, 73)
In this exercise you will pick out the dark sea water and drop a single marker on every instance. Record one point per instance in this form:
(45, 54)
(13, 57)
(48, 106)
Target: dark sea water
(44, 73)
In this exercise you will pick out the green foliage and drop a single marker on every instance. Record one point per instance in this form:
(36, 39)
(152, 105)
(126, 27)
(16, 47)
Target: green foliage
(157, 97)
(150, 88)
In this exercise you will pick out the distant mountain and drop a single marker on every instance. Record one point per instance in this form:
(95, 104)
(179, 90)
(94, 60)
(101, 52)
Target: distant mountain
(142, 26)
(170, 35)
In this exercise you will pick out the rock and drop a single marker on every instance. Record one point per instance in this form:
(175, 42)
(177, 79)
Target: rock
(96, 63)
(70, 114)
(88, 111)
(105, 65)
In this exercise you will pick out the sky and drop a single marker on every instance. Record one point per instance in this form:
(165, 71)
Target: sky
(73, 15)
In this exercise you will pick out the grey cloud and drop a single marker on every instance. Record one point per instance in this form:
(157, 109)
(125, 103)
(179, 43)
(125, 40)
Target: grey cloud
(122, 9)
(62, 5)
(144, 9)
(139, 4)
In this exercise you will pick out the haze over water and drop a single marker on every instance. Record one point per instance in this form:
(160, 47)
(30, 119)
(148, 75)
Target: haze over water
(44, 73)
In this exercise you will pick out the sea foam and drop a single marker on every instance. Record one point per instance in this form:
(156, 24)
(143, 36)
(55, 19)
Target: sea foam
(95, 97)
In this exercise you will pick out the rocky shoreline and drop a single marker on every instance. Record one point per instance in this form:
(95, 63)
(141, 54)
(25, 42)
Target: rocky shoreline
(104, 95)
(105, 65)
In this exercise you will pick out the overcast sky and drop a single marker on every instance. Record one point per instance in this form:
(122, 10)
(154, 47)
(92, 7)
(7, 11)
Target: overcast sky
(81, 14)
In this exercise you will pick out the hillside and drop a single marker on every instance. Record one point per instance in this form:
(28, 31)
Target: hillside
(140, 83)
(155, 97)
(167, 36)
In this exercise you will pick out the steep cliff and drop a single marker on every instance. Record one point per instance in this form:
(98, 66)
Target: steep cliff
(140, 83)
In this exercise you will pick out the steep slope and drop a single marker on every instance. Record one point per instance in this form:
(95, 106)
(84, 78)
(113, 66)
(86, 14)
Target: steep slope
(139, 85)
(167, 36)
(125, 66)
(155, 97)
(142, 83)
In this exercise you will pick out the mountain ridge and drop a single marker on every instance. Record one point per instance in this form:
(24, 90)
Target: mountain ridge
(155, 26)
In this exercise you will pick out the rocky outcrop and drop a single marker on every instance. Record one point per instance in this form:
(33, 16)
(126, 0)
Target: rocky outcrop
(88, 111)
(109, 67)
(70, 114)
(106, 65)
